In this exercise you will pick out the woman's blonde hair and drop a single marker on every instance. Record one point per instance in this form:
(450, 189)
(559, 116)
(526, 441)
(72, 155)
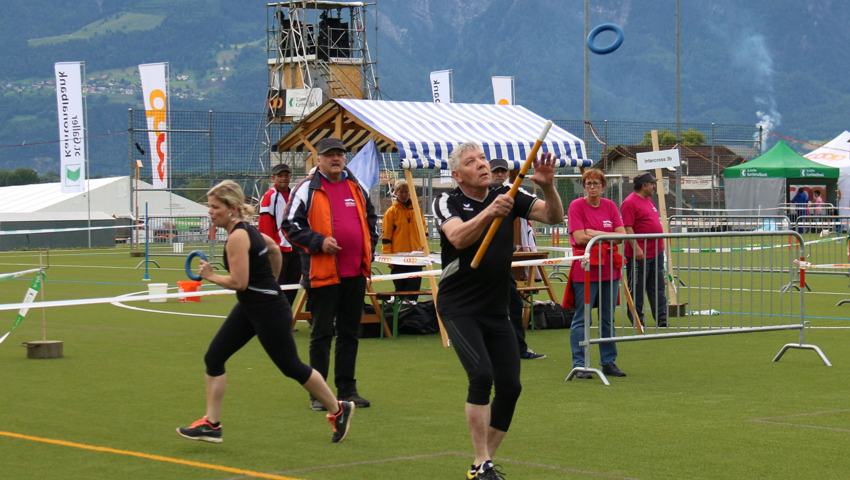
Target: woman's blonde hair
(230, 194)
(401, 184)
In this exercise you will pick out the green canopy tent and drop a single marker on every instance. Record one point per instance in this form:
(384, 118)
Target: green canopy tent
(764, 182)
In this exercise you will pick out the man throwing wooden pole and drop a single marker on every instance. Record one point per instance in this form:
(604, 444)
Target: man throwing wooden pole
(473, 303)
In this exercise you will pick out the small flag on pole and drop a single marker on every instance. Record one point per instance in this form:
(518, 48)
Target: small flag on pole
(35, 287)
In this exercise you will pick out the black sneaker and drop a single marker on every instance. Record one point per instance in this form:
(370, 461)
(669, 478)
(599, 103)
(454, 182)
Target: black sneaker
(201, 430)
(612, 371)
(584, 375)
(317, 406)
(529, 354)
(488, 471)
(358, 401)
(341, 421)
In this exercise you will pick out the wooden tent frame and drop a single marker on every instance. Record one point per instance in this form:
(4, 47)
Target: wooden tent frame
(333, 116)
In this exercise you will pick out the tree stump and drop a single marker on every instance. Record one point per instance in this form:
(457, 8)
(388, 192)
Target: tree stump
(44, 349)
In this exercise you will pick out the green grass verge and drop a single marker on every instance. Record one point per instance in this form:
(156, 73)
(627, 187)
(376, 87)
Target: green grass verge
(688, 408)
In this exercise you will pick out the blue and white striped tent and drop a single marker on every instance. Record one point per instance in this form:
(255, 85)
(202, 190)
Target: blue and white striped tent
(424, 134)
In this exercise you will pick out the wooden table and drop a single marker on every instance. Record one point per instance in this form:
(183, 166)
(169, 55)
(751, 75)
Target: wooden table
(528, 279)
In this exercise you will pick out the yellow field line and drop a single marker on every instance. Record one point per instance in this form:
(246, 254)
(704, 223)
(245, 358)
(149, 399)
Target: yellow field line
(158, 458)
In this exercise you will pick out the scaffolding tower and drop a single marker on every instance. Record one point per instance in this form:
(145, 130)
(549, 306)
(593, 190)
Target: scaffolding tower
(316, 50)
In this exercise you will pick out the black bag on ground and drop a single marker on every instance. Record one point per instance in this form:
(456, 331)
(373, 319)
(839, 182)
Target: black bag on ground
(550, 315)
(370, 330)
(419, 319)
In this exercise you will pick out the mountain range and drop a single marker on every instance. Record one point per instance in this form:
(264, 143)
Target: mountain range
(776, 62)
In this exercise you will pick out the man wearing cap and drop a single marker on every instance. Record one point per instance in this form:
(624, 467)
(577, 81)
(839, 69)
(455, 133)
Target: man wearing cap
(272, 207)
(645, 260)
(331, 218)
(501, 175)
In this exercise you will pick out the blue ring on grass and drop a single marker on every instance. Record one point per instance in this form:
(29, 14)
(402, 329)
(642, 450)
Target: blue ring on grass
(605, 27)
(195, 253)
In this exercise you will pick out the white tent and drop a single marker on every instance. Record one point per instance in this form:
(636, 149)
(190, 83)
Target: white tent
(111, 196)
(836, 153)
(108, 195)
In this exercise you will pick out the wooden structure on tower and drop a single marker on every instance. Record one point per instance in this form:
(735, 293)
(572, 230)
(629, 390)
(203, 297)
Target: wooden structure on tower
(317, 50)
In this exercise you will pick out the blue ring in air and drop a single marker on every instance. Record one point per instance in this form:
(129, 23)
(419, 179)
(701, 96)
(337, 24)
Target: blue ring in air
(605, 27)
(195, 253)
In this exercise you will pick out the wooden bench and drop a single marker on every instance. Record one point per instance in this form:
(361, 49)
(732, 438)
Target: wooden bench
(299, 313)
(527, 294)
(386, 296)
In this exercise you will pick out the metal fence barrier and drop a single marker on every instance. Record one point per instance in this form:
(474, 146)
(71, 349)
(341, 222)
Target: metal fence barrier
(177, 236)
(728, 223)
(730, 282)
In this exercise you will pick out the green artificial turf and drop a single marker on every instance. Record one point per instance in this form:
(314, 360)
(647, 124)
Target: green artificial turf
(701, 408)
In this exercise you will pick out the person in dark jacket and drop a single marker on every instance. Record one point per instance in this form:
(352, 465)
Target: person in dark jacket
(330, 217)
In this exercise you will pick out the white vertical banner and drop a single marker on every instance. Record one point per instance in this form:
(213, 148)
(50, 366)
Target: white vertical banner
(503, 90)
(72, 143)
(155, 91)
(441, 86)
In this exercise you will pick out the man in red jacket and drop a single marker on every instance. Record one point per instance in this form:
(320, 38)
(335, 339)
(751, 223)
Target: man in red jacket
(271, 215)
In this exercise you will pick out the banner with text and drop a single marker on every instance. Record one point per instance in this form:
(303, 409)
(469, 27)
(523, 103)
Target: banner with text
(441, 86)
(72, 142)
(300, 102)
(503, 90)
(659, 159)
(155, 92)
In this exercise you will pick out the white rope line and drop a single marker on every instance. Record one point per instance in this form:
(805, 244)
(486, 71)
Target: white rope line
(7, 276)
(168, 312)
(58, 230)
(160, 296)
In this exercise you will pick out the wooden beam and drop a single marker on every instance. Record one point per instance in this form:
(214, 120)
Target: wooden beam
(426, 249)
(345, 126)
(338, 125)
(673, 298)
(378, 135)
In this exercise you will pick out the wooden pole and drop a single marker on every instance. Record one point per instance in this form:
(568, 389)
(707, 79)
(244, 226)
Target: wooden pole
(672, 295)
(408, 175)
(43, 321)
(512, 193)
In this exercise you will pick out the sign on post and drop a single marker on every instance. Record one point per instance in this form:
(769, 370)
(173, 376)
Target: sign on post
(658, 159)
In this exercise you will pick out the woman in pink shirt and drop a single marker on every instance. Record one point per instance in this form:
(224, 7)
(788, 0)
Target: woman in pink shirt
(590, 217)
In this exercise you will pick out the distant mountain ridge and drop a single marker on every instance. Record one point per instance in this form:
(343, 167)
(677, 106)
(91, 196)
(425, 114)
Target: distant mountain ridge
(780, 62)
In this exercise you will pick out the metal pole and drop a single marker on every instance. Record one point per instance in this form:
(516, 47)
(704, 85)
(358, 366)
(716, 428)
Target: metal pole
(212, 162)
(586, 71)
(713, 192)
(147, 244)
(86, 137)
(678, 78)
(133, 190)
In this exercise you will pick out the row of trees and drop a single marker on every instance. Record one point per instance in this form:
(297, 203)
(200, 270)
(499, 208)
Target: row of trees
(28, 176)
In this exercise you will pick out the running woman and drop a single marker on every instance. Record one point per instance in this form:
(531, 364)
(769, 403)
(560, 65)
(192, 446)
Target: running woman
(253, 261)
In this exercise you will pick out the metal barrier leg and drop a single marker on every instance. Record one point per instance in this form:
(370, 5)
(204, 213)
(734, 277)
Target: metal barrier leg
(803, 347)
(576, 370)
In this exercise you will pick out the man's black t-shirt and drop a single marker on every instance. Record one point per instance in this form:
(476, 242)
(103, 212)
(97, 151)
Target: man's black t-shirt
(484, 290)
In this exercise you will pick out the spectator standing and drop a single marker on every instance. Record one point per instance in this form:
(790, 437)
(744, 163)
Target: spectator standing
(593, 216)
(331, 218)
(644, 258)
(501, 175)
(272, 207)
(402, 235)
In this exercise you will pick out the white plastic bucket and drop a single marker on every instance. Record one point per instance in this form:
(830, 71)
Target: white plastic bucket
(157, 289)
